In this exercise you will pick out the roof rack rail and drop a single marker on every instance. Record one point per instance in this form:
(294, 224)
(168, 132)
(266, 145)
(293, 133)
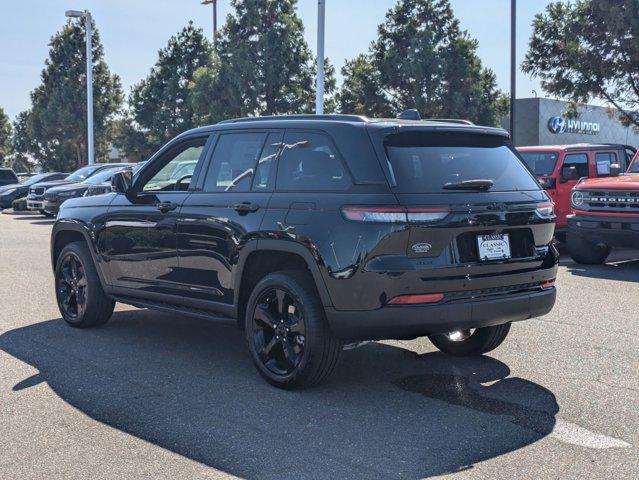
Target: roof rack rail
(336, 118)
(450, 120)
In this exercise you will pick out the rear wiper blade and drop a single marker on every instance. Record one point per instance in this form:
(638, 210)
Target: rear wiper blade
(469, 185)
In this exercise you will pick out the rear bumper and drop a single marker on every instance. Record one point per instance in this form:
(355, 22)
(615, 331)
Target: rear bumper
(404, 322)
(609, 230)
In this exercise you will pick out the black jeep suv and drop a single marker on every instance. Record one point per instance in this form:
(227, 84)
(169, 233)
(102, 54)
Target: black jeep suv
(316, 232)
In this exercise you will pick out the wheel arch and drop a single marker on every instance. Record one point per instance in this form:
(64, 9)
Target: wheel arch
(67, 231)
(265, 256)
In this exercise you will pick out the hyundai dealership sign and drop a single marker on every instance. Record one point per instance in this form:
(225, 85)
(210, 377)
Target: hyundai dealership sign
(559, 125)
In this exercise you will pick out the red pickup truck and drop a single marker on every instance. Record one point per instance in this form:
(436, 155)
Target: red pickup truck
(559, 167)
(605, 215)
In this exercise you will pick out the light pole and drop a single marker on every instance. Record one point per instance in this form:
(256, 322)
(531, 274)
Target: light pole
(89, 45)
(513, 66)
(319, 87)
(214, 3)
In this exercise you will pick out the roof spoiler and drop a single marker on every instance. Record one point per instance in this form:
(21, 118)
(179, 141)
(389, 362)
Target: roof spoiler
(413, 114)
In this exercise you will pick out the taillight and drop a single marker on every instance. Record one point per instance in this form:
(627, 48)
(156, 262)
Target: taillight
(394, 214)
(375, 214)
(545, 209)
(418, 214)
(416, 299)
(548, 284)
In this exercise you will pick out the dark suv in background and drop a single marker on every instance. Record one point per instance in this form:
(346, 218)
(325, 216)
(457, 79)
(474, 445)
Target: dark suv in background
(56, 196)
(8, 177)
(35, 199)
(12, 192)
(319, 231)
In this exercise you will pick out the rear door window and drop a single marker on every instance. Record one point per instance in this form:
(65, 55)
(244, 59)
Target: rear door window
(579, 161)
(264, 180)
(424, 162)
(310, 162)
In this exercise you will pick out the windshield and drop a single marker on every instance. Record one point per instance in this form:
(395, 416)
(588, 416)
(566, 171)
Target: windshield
(101, 177)
(83, 173)
(541, 163)
(34, 179)
(634, 166)
(423, 162)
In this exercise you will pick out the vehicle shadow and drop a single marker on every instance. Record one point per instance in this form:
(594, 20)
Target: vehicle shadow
(622, 265)
(33, 218)
(188, 386)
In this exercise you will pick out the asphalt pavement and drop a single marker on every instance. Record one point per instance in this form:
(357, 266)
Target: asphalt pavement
(153, 395)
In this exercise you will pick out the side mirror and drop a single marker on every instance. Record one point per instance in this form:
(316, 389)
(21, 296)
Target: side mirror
(615, 170)
(121, 181)
(569, 173)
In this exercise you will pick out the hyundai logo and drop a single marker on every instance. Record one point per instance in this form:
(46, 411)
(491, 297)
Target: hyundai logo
(557, 125)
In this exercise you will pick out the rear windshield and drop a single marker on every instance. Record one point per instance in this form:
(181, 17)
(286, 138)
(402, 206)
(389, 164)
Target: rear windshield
(541, 163)
(427, 162)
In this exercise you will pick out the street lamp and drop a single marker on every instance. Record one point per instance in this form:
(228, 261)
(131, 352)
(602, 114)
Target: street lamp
(89, 33)
(319, 87)
(214, 3)
(513, 66)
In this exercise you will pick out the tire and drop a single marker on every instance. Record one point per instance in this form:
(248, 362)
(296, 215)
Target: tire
(481, 341)
(91, 306)
(296, 349)
(585, 252)
(46, 214)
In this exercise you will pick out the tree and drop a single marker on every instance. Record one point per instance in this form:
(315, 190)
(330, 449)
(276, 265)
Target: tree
(128, 138)
(589, 49)
(362, 90)
(21, 144)
(5, 136)
(422, 59)
(57, 120)
(265, 66)
(160, 105)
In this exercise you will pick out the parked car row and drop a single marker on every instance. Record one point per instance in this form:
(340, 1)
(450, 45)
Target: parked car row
(45, 192)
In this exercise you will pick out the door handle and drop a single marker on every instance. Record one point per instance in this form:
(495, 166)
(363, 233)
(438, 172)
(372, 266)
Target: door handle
(165, 207)
(245, 207)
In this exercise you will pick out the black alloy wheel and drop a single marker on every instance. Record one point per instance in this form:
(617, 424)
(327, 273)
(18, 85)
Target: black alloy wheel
(287, 333)
(71, 285)
(279, 331)
(79, 293)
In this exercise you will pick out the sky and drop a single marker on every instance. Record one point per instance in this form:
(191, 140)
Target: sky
(132, 32)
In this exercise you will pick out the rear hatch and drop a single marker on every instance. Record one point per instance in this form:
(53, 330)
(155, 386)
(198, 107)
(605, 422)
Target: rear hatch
(477, 208)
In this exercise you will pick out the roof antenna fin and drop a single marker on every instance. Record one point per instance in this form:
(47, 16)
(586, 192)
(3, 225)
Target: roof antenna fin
(411, 114)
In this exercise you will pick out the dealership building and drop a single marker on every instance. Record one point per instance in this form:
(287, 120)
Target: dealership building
(542, 121)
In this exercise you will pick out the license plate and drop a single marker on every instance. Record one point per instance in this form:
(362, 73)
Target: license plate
(493, 247)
